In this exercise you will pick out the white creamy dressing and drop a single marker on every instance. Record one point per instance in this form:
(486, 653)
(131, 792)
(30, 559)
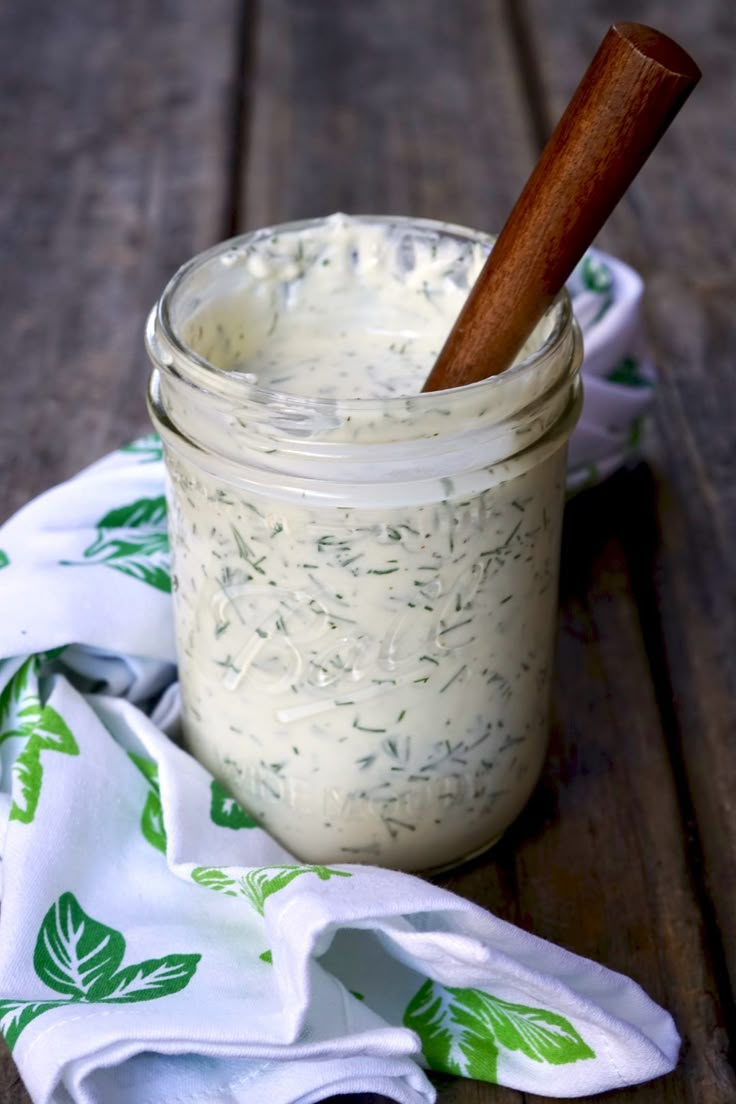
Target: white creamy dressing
(370, 681)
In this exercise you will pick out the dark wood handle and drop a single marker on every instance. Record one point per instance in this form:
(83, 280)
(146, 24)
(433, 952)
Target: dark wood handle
(632, 90)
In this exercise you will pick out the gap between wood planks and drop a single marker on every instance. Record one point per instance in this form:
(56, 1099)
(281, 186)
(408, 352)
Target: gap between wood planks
(246, 29)
(528, 67)
(640, 548)
(541, 121)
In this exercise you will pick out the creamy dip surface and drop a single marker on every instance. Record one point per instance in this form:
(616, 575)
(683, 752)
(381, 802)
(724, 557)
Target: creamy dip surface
(347, 312)
(371, 681)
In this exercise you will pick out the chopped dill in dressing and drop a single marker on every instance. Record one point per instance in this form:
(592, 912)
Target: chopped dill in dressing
(366, 591)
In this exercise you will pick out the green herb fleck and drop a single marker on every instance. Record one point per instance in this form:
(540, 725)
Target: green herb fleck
(364, 728)
(454, 677)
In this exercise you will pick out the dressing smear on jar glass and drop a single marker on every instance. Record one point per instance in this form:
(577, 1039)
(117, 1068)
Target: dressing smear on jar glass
(365, 577)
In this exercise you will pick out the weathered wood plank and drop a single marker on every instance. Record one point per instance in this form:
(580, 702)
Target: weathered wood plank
(343, 118)
(367, 107)
(116, 125)
(410, 108)
(600, 856)
(678, 226)
(617, 796)
(116, 128)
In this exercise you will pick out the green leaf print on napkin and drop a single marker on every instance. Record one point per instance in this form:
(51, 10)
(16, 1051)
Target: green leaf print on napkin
(133, 540)
(51, 734)
(211, 877)
(152, 817)
(259, 884)
(23, 716)
(462, 1031)
(20, 706)
(15, 1015)
(225, 811)
(596, 276)
(4, 559)
(82, 958)
(73, 951)
(148, 448)
(628, 373)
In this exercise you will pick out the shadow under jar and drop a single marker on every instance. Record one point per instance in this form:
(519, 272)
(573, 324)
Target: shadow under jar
(365, 577)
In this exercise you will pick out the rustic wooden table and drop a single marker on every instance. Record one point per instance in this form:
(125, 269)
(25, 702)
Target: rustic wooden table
(134, 135)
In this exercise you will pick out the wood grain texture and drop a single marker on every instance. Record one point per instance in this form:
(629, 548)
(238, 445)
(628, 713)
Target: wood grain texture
(116, 130)
(374, 110)
(615, 794)
(629, 901)
(599, 862)
(678, 226)
(629, 94)
(119, 128)
(115, 123)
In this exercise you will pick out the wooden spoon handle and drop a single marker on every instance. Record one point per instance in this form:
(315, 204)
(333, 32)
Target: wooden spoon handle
(634, 87)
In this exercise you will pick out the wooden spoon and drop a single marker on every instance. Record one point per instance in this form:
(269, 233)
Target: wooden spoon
(634, 87)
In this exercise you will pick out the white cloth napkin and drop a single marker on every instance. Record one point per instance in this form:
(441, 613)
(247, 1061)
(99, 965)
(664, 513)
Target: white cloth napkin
(157, 947)
(618, 374)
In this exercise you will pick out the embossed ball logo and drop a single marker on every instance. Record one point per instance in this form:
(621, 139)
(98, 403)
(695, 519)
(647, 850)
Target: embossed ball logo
(288, 638)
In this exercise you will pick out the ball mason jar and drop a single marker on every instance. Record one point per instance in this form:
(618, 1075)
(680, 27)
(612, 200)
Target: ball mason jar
(365, 588)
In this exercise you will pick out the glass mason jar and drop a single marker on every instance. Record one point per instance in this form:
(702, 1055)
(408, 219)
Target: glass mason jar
(365, 588)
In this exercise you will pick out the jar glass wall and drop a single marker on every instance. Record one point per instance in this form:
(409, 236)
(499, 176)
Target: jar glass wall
(365, 578)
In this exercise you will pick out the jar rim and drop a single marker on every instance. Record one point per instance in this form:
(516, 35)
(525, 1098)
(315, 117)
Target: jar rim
(233, 380)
